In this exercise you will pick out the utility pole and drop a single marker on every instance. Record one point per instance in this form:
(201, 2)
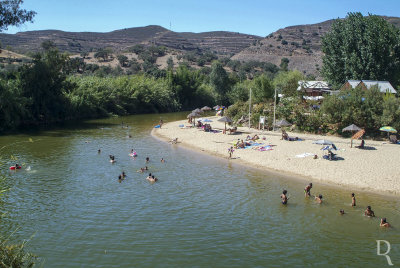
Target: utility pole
(273, 127)
(249, 108)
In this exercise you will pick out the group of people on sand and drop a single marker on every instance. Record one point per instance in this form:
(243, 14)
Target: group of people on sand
(307, 192)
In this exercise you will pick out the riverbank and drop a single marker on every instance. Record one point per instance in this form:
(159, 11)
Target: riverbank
(372, 169)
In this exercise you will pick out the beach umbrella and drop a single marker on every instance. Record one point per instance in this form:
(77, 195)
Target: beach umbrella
(193, 115)
(353, 128)
(388, 129)
(205, 120)
(323, 142)
(283, 123)
(205, 108)
(225, 120)
(197, 110)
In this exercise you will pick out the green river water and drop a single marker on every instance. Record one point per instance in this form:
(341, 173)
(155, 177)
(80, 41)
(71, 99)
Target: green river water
(203, 212)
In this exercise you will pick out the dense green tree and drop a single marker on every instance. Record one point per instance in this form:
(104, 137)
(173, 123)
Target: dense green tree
(262, 89)
(284, 64)
(361, 47)
(43, 83)
(11, 14)
(84, 54)
(104, 53)
(287, 82)
(170, 63)
(137, 49)
(48, 44)
(123, 60)
(220, 82)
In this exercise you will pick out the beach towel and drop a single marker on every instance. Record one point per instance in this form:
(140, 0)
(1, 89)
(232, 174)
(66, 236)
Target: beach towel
(265, 148)
(304, 155)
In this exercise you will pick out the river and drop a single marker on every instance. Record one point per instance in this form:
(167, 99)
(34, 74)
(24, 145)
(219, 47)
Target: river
(203, 212)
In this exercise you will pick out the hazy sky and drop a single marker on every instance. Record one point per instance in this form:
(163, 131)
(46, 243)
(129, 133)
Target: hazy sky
(259, 17)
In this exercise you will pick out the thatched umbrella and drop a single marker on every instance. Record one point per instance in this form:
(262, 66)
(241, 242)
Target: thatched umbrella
(205, 108)
(226, 120)
(193, 115)
(283, 123)
(197, 110)
(353, 128)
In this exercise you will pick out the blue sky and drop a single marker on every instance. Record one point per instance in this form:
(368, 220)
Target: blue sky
(259, 17)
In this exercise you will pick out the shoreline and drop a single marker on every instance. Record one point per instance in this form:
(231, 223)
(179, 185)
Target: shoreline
(371, 170)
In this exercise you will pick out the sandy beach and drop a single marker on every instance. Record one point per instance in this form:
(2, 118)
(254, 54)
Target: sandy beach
(373, 169)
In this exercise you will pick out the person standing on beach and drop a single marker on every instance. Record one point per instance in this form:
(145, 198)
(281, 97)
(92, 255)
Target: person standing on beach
(230, 151)
(353, 200)
(284, 197)
(161, 122)
(307, 190)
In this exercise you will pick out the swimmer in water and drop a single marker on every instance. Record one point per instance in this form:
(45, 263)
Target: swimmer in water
(123, 174)
(284, 197)
(120, 178)
(152, 179)
(384, 223)
(353, 200)
(369, 212)
(341, 212)
(147, 159)
(146, 168)
(112, 158)
(162, 160)
(99, 151)
(307, 190)
(318, 199)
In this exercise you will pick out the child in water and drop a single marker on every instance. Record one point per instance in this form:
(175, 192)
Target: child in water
(162, 160)
(353, 200)
(369, 212)
(284, 197)
(318, 199)
(307, 190)
(341, 212)
(384, 223)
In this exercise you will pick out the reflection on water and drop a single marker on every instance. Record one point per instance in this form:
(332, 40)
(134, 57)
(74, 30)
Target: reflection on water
(203, 212)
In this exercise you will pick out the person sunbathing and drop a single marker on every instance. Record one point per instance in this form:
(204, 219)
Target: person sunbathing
(241, 144)
(255, 137)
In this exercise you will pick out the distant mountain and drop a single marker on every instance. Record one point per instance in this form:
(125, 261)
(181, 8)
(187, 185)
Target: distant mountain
(221, 42)
(301, 44)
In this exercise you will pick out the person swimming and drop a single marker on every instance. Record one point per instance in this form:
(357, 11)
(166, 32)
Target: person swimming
(318, 199)
(284, 197)
(162, 160)
(123, 174)
(307, 190)
(369, 212)
(99, 151)
(147, 159)
(120, 178)
(112, 158)
(353, 200)
(384, 223)
(151, 178)
(341, 212)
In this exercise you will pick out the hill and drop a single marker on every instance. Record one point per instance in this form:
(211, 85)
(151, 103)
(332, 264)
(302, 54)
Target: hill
(75, 42)
(300, 44)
